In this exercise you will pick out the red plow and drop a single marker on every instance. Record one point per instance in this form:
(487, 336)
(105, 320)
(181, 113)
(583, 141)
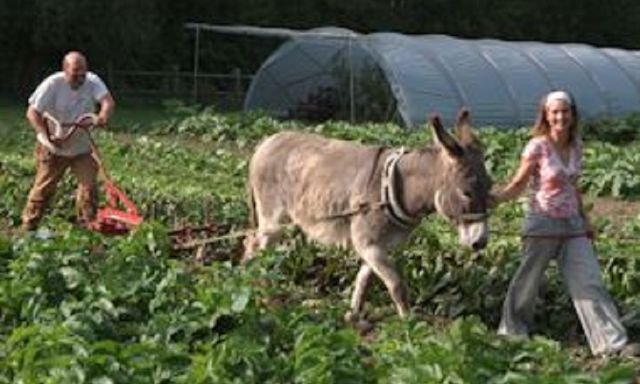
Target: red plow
(120, 215)
(110, 219)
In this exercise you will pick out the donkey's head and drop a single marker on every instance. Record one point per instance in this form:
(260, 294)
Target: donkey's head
(462, 193)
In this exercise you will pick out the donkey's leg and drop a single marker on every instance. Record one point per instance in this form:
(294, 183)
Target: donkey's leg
(377, 259)
(360, 289)
(256, 241)
(270, 218)
(267, 234)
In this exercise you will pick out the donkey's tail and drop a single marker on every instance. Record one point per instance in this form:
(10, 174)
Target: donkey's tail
(251, 203)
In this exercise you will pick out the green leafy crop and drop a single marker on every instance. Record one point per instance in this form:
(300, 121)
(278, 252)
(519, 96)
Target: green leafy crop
(84, 308)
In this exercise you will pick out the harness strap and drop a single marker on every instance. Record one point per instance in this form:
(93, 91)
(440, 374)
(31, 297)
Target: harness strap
(561, 236)
(393, 208)
(473, 217)
(389, 196)
(390, 201)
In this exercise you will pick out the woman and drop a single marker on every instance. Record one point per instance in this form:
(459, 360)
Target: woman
(557, 228)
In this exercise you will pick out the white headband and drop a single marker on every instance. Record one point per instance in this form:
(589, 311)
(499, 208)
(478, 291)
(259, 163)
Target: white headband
(558, 95)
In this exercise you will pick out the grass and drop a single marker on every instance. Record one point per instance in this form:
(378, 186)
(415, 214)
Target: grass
(393, 348)
(11, 115)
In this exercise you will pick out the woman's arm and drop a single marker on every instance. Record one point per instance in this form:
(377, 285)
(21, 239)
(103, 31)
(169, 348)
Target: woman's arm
(587, 222)
(518, 183)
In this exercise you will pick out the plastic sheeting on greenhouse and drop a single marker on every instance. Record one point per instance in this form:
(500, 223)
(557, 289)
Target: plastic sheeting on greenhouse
(386, 76)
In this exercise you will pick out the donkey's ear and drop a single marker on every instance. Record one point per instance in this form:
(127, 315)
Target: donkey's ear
(444, 139)
(463, 130)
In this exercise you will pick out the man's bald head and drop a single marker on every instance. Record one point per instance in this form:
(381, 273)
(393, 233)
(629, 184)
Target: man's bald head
(73, 57)
(74, 66)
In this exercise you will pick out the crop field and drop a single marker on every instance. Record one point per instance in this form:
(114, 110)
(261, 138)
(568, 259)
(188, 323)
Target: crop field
(84, 308)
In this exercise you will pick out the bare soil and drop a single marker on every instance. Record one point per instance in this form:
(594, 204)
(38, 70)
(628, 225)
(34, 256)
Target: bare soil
(617, 211)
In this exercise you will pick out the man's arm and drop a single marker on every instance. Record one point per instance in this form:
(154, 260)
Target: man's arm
(37, 122)
(107, 106)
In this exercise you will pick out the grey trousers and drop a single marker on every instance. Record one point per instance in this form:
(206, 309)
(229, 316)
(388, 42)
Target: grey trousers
(581, 275)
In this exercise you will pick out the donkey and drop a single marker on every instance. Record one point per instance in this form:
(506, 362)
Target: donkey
(368, 198)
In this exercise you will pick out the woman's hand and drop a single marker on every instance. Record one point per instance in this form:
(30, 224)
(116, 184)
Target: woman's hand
(589, 229)
(517, 184)
(494, 198)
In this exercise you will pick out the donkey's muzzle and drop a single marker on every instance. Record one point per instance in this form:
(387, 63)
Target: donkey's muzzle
(474, 233)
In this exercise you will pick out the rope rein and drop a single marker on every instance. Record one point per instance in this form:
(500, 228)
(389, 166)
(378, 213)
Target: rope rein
(84, 122)
(389, 202)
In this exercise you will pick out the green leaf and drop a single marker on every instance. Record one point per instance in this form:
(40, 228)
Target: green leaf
(72, 277)
(240, 300)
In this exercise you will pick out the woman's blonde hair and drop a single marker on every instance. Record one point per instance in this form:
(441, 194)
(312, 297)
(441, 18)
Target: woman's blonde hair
(541, 126)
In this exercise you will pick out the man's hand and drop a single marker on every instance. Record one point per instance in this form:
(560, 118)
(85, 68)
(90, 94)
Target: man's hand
(107, 105)
(101, 121)
(44, 140)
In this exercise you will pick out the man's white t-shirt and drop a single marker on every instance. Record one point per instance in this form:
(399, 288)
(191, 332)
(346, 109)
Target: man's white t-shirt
(55, 96)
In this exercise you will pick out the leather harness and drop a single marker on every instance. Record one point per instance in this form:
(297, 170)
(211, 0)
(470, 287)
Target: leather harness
(389, 200)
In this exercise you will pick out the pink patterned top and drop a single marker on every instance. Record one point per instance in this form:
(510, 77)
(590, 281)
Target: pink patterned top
(551, 187)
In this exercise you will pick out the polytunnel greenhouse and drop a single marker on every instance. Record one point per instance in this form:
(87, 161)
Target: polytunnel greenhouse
(333, 73)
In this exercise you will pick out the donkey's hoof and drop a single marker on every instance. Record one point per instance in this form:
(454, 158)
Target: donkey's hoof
(356, 320)
(246, 259)
(351, 317)
(363, 327)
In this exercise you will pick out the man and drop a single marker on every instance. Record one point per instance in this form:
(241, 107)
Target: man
(66, 95)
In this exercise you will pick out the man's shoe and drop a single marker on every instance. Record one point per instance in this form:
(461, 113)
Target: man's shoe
(28, 227)
(44, 234)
